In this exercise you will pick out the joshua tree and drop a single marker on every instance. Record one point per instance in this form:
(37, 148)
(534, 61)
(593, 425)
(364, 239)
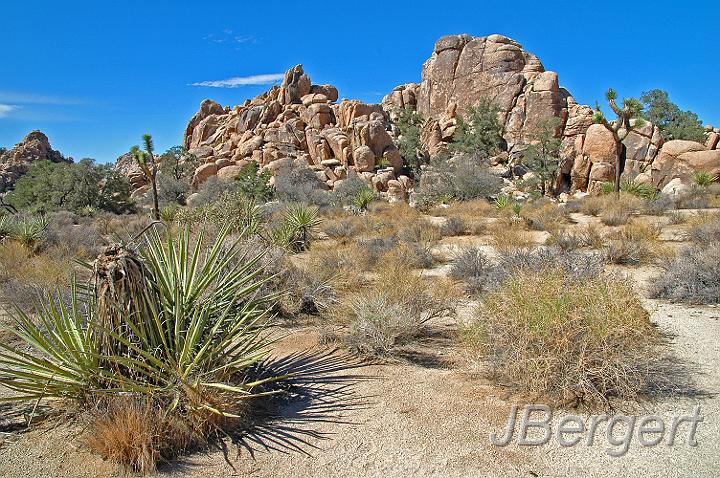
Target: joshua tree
(146, 160)
(621, 127)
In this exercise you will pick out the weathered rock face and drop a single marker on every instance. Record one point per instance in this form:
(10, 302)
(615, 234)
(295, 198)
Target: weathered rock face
(15, 162)
(680, 159)
(464, 69)
(296, 121)
(127, 166)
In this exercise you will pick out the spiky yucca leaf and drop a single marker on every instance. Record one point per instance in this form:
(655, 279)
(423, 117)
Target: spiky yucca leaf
(189, 339)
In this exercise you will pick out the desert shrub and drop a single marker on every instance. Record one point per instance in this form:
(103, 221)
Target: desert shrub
(706, 232)
(373, 249)
(392, 312)
(420, 231)
(172, 190)
(573, 206)
(229, 208)
(676, 217)
(253, 183)
(476, 270)
(341, 230)
(544, 215)
(657, 206)
(691, 277)
(567, 240)
(615, 216)
(413, 254)
(506, 236)
(74, 237)
(575, 341)
(695, 198)
(624, 252)
(635, 243)
(137, 434)
(296, 183)
(704, 179)
(463, 178)
(211, 190)
(453, 226)
(346, 192)
(176, 325)
(574, 265)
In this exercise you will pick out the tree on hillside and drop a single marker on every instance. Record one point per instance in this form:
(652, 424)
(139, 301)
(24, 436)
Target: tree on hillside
(49, 187)
(146, 160)
(542, 157)
(409, 125)
(481, 133)
(176, 168)
(621, 127)
(672, 121)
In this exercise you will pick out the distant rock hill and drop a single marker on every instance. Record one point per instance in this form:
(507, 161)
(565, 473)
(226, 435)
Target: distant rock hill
(16, 161)
(302, 122)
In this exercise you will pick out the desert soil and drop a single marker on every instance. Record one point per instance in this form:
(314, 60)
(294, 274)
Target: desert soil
(430, 414)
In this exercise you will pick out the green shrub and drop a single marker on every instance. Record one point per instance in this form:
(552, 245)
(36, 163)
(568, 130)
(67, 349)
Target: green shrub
(574, 341)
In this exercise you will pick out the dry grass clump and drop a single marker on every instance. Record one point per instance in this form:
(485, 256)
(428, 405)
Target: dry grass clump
(475, 269)
(453, 226)
(635, 243)
(342, 230)
(691, 277)
(392, 311)
(705, 229)
(544, 215)
(596, 205)
(506, 234)
(615, 215)
(574, 341)
(138, 434)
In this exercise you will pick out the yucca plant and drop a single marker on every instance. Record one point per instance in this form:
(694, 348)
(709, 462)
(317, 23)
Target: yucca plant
(7, 227)
(29, 232)
(174, 323)
(502, 202)
(607, 188)
(641, 190)
(363, 198)
(704, 179)
(297, 229)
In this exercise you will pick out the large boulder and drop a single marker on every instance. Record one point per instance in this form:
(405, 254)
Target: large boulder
(16, 162)
(680, 159)
(207, 108)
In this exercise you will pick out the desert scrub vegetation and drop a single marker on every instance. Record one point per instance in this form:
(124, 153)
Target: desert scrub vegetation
(544, 215)
(575, 341)
(176, 326)
(392, 311)
(691, 277)
(635, 243)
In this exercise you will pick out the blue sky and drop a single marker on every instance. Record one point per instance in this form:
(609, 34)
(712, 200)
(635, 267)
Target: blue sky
(96, 75)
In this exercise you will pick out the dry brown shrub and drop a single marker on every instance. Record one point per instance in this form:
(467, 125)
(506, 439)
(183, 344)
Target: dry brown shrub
(544, 215)
(588, 341)
(636, 243)
(506, 234)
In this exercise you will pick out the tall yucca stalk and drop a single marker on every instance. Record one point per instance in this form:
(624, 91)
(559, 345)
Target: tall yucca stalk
(178, 323)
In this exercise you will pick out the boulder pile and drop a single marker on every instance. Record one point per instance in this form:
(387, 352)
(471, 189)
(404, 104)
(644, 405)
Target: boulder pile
(15, 162)
(463, 69)
(302, 123)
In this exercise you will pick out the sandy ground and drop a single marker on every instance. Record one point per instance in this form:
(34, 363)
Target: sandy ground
(429, 415)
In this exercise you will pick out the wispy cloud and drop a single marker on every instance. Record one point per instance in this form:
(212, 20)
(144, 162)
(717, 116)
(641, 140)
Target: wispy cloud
(229, 36)
(37, 99)
(5, 110)
(242, 81)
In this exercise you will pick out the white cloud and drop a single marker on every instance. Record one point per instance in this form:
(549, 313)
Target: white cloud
(242, 81)
(5, 110)
(35, 99)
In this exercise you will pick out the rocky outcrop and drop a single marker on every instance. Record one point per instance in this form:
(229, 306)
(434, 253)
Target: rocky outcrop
(127, 166)
(295, 121)
(15, 162)
(680, 160)
(464, 69)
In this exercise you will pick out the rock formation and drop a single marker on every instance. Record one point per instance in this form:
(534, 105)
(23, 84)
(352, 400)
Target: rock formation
(296, 121)
(463, 69)
(15, 162)
(301, 122)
